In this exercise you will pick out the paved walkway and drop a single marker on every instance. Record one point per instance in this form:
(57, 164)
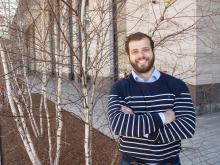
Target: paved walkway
(202, 149)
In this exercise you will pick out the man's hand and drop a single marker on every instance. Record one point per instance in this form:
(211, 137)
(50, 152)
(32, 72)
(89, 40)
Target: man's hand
(169, 116)
(127, 110)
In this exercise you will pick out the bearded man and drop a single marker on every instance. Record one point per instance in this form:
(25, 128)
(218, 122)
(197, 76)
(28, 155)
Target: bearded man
(149, 110)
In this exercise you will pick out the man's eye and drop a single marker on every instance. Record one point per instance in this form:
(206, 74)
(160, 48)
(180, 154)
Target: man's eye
(146, 50)
(134, 52)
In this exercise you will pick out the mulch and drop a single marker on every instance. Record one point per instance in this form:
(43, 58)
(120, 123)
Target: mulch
(72, 152)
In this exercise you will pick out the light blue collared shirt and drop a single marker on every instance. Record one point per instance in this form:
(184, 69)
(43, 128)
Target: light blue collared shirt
(154, 76)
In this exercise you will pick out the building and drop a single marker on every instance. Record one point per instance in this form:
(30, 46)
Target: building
(7, 12)
(2, 26)
(186, 34)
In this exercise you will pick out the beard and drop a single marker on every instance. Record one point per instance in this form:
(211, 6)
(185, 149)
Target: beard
(144, 68)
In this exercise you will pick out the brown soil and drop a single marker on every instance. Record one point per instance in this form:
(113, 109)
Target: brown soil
(72, 152)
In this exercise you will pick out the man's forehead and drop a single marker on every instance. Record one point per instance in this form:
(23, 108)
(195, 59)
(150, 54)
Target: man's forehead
(140, 43)
(140, 40)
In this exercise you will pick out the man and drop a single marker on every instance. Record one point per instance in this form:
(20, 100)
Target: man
(149, 110)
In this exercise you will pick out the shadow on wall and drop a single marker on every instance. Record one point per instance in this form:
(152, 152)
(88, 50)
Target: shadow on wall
(206, 98)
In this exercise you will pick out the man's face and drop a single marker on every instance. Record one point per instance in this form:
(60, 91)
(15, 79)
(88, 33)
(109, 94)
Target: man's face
(141, 55)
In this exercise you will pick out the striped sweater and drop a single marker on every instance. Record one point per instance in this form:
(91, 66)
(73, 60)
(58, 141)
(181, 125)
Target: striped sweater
(147, 100)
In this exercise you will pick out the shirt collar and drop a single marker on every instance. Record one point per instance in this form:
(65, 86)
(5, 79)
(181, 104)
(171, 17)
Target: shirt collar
(154, 76)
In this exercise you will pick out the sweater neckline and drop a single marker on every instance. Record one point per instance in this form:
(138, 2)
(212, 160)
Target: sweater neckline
(147, 83)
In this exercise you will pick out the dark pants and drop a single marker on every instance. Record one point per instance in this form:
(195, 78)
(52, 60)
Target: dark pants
(126, 162)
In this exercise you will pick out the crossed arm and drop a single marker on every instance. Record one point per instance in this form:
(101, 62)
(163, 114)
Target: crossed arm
(169, 115)
(183, 127)
(179, 123)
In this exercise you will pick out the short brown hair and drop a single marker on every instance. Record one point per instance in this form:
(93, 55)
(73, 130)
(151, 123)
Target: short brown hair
(136, 37)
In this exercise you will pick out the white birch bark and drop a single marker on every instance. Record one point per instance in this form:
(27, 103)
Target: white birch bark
(47, 117)
(59, 120)
(24, 125)
(29, 106)
(44, 78)
(23, 92)
(21, 124)
(87, 138)
(40, 115)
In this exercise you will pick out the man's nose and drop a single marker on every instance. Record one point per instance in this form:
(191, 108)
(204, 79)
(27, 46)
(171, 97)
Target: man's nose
(141, 54)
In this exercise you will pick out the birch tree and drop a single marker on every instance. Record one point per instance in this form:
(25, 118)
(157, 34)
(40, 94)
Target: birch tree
(20, 122)
(22, 89)
(90, 47)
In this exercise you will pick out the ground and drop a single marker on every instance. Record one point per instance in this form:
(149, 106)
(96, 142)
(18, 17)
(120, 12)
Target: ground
(72, 153)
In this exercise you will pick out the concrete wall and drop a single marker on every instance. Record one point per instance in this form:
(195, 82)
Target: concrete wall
(186, 35)
(100, 43)
(193, 53)
(173, 31)
(208, 42)
(207, 94)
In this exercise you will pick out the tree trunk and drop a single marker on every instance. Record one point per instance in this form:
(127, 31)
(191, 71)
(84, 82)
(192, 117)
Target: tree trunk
(87, 138)
(59, 120)
(44, 85)
(21, 124)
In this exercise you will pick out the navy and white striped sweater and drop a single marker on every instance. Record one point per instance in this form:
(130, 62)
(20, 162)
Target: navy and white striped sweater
(147, 100)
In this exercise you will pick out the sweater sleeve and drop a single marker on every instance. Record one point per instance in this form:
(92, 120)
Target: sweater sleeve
(134, 125)
(183, 127)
